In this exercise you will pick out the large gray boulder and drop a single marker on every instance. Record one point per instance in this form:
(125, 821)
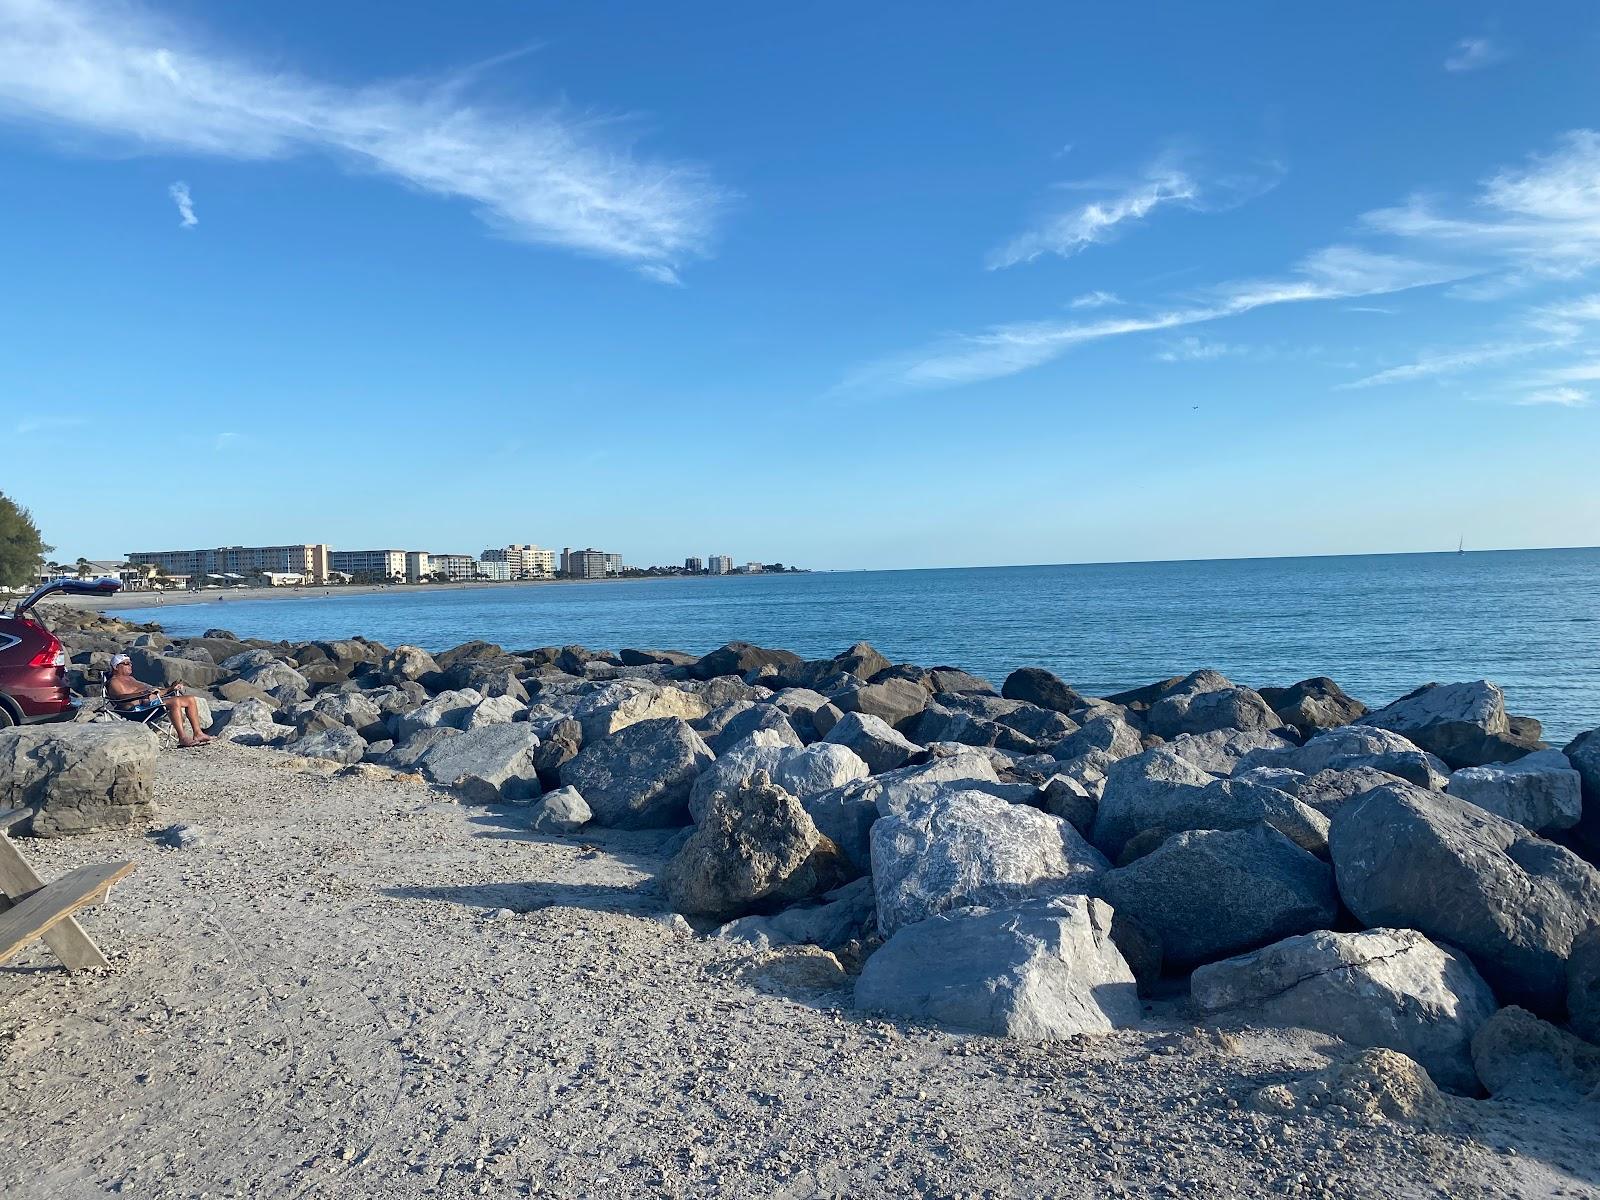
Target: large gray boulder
(1329, 791)
(1314, 704)
(897, 701)
(408, 664)
(561, 811)
(1106, 732)
(79, 778)
(627, 702)
(1540, 790)
(250, 723)
(753, 718)
(1139, 788)
(1221, 750)
(1226, 804)
(1204, 894)
(1353, 747)
(1206, 701)
(339, 744)
(1512, 901)
(971, 848)
(1583, 984)
(1465, 724)
(641, 776)
(1042, 970)
(1583, 752)
(873, 740)
(491, 764)
(450, 709)
(752, 847)
(1381, 987)
(280, 680)
(741, 658)
(1520, 1057)
(165, 670)
(847, 813)
(830, 921)
(802, 772)
(1035, 685)
(354, 710)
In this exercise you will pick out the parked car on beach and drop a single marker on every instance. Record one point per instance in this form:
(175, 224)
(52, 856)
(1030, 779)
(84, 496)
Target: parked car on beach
(33, 662)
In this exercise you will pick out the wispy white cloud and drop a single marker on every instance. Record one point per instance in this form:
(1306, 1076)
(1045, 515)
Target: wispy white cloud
(1471, 53)
(226, 439)
(1095, 300)
(1564, 397)
(1333, 273)
(31, 425)
(550, 177)
(1194, 349)
(1454, 362)
(1371, 308)
(180, 196)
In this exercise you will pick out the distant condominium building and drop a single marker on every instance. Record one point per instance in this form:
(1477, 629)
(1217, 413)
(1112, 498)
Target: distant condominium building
(370, 564)
(694, 566)
(721, 564)
(752, 568)
(583, 564)
(525, 561)
(456, 568)
(613, 564)
(419, 565)
(311, 560)
(493, 568)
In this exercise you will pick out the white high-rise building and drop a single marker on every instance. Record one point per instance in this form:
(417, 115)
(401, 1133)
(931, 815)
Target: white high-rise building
(525, 561)
(721, 564)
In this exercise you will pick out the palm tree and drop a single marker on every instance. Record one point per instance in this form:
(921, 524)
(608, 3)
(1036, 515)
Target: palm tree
(85, 568)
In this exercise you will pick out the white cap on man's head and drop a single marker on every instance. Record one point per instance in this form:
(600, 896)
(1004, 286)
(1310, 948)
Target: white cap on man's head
(118, 659)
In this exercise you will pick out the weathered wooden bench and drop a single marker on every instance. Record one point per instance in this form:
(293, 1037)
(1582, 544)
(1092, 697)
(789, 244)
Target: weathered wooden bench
(31, 909)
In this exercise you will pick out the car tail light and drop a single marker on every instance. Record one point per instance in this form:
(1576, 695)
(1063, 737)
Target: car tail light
(53, 654)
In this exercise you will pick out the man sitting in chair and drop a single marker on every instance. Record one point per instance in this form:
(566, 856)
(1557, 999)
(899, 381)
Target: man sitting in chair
(128, 695)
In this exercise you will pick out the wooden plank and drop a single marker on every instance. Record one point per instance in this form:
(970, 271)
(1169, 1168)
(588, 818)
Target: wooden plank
(46, 908)
(68, 941)
(10, 816)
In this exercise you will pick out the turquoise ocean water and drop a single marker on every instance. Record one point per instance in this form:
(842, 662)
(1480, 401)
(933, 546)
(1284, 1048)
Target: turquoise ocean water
(1378, 624)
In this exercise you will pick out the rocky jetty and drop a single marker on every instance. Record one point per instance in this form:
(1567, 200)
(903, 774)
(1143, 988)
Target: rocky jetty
(1022, 860)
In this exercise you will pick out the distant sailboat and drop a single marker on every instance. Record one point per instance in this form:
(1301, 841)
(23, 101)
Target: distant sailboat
(1461, 546)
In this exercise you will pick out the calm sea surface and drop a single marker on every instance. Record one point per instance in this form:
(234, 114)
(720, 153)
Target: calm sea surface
(1378, 624)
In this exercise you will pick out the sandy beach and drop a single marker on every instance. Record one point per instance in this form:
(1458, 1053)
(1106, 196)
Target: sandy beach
(358, 987)
(223, 597)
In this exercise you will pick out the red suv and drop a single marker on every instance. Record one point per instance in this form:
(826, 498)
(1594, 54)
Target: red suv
(33, 663)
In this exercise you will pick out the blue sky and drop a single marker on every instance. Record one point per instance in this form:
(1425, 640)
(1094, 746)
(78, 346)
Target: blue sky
(842, 285)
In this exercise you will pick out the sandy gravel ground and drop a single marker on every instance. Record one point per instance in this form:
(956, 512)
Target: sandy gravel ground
(327, 998)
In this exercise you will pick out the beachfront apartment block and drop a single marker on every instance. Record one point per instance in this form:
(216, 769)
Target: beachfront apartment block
(457, 568)
(497, 569)
(312, 561)
(525, 561)
(419, 565)
(695, 566)
(721, 564)
(613, 564)
(373, 564)
(584, 564)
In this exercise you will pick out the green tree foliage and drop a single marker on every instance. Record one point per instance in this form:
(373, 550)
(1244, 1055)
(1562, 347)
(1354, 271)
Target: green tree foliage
(21, 548)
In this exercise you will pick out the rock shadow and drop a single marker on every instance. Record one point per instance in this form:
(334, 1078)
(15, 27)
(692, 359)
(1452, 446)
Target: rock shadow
(639, 898)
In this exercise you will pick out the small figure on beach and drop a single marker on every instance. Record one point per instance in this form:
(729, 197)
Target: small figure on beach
(129, 695)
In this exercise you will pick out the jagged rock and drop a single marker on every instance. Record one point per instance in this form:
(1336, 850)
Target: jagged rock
(846, 814)
(1464, 724)
(1513, 902)
(640, 777)
(355, 710)
(1583, 984)
(755, 846)
(558, 744)
(738, 658)
(627, 702)
(493, 710)
(1329, 791)
(1583, 752)
(339, 744)
(1221, 750)
(447, 708)
(873, 740)
(1151, 782)
(1376, 1084)
(1044, 969)
(491, 764)
(1209, 893)
(1064, 797)
(236, 690)
(896, 701)
(1035, 685)
(492, 678)
(656, 658)
(1382, 987)
(1205, 701)
(753, 717)
(1356, 746)
(1226, 804)
(561, 811)
(801, 772)
(78, 778)
(971, 848)
(408, 663)
(1520, 1057)
(406, 756)
(251, 723)
(1281, 778)
(1314, 704)
(1104, 732)
(1539, 790)
(841, 916)
(472, 651)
